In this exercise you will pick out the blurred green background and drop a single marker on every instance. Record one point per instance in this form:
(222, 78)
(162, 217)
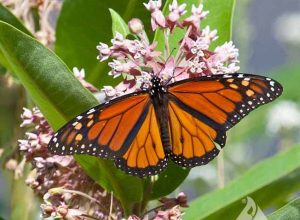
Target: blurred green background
(268, 36)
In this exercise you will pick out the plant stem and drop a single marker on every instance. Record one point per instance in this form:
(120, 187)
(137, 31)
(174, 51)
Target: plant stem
(220, 164)
(147, 191)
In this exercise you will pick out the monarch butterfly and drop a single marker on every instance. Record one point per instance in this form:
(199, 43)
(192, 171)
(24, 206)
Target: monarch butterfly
(182, 121)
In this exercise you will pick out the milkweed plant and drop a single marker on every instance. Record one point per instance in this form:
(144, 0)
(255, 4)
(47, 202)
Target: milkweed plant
(66, 189)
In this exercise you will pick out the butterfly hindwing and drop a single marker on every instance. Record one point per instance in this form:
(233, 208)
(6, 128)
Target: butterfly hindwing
(146, 155)
(192, 140)
(106, 130)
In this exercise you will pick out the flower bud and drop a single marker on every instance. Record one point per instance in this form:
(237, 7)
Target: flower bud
(135, 25)
(47, 210)
(55, 191)
(63, 211)
(11, 164)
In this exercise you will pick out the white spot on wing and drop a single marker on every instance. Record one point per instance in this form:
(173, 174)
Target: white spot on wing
(91, 111)
(75, 123)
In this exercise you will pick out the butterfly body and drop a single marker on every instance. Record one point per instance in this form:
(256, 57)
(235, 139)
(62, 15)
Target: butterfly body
(181, 121)
(158, 93)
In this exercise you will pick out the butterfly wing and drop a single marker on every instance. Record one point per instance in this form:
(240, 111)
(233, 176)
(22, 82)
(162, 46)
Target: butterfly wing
(146, 155)
(106, 130)
(204, 108)
(125, 130)
(192, 140)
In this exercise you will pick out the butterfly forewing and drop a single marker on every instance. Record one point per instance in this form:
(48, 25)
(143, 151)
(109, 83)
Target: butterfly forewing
(223, 100)
(106, 130)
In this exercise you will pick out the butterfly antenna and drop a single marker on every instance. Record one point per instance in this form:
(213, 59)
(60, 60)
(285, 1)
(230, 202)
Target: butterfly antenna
(167, 59)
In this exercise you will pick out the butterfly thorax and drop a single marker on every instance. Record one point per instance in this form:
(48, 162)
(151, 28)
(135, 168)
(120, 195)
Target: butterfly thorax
(156, 86)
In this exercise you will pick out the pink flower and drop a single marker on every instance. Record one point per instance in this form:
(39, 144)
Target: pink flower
(157, 17)
(227, 52)
(175, 13)
(104, 52)
(196, 66)
(170, 214)
(194, 20)
(209, 35)
(167, 71)
(30, 117)
(118, 67)
(80, 75)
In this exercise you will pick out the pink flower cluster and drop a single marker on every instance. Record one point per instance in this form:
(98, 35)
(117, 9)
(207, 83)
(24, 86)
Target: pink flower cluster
(138, 59)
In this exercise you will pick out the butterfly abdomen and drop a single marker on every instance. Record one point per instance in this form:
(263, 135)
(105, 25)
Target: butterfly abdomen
(160, 102)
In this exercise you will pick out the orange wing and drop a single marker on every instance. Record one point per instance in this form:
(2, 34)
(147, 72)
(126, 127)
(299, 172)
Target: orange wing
(223, 100)
(202, 109)
(191, 139)
(106, 130)
(146, 155)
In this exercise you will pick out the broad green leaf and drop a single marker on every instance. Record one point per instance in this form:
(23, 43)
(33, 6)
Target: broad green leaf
(118, 24)
(218, 203)
(8, 17)
(174, 176)
(83, 24)
(220, 18)
(290, 211)
(276, 192)
(60, 96)
(44, 76)
(169, 180)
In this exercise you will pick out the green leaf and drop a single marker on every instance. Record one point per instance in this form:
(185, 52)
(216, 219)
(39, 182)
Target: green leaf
(219, 18)
(61, 97)
(2, 70)
(290, 211)
(118, 24)
(174, 176)
(82, 25)
(45, 77)
(218, 203)
(8, 17)
(169, 180)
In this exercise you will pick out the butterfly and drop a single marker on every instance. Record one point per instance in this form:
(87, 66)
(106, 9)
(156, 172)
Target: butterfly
(185, 121)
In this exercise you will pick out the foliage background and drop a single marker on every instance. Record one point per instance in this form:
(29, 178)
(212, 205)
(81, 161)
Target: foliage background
(261, 34)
